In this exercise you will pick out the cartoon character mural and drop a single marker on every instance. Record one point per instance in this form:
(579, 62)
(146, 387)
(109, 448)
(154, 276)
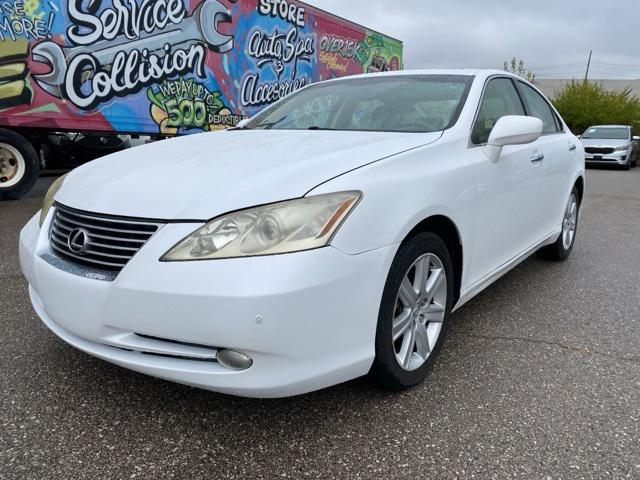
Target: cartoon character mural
(170, 66)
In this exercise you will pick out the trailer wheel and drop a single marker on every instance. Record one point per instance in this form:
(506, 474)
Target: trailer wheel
(19, 165)
(44, 155)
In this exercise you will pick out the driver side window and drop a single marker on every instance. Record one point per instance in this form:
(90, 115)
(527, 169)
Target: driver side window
(500, 98)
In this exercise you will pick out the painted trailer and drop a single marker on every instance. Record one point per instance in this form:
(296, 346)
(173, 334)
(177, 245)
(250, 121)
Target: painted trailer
(76, 76)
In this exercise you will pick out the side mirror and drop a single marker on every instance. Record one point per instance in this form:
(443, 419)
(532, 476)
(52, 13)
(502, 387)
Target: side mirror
(512, 130)
(636, 138)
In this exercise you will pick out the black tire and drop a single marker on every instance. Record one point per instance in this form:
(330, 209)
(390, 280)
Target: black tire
(31, 164)
(44, 156)
(627, 166)
(386, 371)
(557, 252)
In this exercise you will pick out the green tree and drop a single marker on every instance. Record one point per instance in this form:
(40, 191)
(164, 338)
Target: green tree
(517, 66)
(583, 104)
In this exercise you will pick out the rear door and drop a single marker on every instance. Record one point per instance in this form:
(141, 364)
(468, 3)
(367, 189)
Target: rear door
(507, 190)
(558, 160)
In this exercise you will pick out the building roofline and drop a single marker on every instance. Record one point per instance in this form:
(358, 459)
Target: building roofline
(337, 17)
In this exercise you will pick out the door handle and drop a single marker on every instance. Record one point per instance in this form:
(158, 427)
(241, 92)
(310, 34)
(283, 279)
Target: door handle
(537, 157)
(573, 147)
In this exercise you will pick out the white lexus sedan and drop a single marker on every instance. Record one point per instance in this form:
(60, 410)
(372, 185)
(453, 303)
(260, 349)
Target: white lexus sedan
(327, 238)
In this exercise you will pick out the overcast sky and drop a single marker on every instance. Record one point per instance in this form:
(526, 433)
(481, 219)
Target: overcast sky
(553, 37)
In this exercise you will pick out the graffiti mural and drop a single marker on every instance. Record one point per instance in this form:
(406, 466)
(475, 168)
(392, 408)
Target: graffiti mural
(283, 60)
(184, 104)
(170, 66)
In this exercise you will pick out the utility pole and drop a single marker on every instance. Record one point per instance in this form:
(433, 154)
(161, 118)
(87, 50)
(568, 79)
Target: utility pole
(586, 75)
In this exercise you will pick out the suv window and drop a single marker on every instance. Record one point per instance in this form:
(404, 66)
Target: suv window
(500, 98)
(538, 107)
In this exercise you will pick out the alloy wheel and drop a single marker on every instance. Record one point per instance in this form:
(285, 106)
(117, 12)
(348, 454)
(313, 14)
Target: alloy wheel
(419, 312)
(570, 222)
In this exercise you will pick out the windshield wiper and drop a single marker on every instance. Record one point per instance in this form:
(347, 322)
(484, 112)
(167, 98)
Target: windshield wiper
(316, 127)
(270, 125)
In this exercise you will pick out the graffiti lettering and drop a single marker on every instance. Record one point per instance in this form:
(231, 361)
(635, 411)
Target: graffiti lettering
(344, 47)
(129, 72)
(332, 62)
(282, 51)
(16, 22)
(131, 20)
(125, 49)
(279, 49)
(287, 11)
(12, 9)
(186, 104)
(257, 94)
(170, 67)
(22, 27)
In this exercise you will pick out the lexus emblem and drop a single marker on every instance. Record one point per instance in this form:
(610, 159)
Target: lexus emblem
(78, 241)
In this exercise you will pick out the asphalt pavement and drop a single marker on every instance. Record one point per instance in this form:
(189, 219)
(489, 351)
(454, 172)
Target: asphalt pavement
(539, 378)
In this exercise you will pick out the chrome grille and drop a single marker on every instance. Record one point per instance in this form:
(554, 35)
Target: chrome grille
(98, 241)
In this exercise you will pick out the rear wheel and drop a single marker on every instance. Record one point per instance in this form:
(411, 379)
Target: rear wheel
(19, 167)
(562, 248)
(44, 156)
(414, 312)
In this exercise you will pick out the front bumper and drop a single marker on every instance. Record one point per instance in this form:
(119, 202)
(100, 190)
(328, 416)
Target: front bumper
(308, 320)
(615, 158)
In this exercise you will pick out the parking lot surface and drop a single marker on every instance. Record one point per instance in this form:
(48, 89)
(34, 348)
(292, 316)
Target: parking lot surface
(539, 378)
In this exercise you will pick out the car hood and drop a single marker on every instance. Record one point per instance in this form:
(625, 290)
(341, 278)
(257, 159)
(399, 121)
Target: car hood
(201, 176)
(601, 142)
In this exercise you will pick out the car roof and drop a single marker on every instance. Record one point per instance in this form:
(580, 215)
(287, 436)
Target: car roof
(481, 73)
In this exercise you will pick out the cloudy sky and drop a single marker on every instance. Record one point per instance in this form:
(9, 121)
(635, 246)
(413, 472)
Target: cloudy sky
(553, 37)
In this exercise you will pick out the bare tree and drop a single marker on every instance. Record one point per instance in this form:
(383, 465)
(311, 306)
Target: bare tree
(517, 66)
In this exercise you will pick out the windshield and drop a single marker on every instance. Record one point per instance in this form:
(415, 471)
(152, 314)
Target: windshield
(607, 133)
(423, 103)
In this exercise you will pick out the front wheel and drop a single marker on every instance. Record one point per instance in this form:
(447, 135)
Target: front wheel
(562, 248)
(414, 312)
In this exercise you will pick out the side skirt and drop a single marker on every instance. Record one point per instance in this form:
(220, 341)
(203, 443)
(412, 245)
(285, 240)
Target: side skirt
(483, 283)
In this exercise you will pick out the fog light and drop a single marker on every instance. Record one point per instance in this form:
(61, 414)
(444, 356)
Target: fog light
(234, 360)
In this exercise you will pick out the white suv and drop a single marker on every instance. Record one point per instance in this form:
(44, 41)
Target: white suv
(611, 145)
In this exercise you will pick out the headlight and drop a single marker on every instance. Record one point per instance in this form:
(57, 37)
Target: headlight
(285, 227)
(48, 198)
(623, 148)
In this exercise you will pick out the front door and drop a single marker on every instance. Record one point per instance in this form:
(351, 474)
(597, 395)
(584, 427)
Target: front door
(507, 190)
